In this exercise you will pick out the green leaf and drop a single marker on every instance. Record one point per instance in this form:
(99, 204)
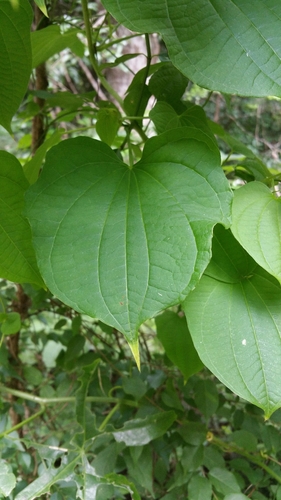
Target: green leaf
(168, 84)
(224, 481)
(32, 167)
(7, 479)
(206, 397)
(234, 318)
(173, 332)
(236, 496)
(139, 464)
(11, 323)
(199, 488)
(141, 431)
(193, 433)
(165, 117)
(120, 480)
(32, 375)
(81, 394)
(244, 439)
(123, 244)
(42, 484)
(42, 6)
(18, 261)
(192, 458)
(134, 385)
(15, 61)
(108, 123)
(232, 47)
(257, 225)
(136, 99)
(253, 164)
(49, 41)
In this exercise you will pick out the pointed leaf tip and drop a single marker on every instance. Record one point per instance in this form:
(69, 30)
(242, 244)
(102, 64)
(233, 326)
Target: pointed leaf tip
(134, 346)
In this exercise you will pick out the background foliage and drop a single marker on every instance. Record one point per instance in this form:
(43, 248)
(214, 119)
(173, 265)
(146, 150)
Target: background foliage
(119, 238)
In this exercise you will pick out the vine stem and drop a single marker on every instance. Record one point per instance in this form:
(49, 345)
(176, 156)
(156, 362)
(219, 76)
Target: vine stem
(240, 451)
(22, 423)
(109, 416)
(93, 60)
(67, 399)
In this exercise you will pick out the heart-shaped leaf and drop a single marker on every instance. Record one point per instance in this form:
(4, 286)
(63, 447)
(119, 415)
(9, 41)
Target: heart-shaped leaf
(257, 225)
(15, 60)
(231, 46)
(18, 262)
(123, 244)
(234, 317)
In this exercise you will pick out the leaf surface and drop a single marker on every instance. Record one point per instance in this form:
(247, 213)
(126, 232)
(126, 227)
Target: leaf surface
(53, 474)
(257, 225)
(141, 431)
(234, 316)
(173, 332)
(125, 244)
(15, 60)
(231, 46)
(18, 262)
(49, 41)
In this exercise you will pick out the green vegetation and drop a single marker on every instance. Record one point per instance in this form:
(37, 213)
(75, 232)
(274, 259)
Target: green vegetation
(140, 294)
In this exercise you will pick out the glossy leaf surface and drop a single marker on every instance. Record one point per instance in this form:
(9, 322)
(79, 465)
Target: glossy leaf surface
(237, 39)
(257, 225)
(234, 316)
(124, 244)
(18, 262)
(15, 60)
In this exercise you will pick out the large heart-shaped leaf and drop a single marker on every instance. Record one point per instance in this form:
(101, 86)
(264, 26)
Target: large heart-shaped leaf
(123, 244)
(18, 262)
(257, 225)
(232, 46)
(234, 316)
(15, 60)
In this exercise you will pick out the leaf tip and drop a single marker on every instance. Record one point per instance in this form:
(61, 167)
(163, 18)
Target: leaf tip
(134, 346)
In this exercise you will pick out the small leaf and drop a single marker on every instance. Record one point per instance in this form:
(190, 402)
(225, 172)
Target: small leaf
(206, 397)
(18, 262)
(120, 480)
(244, 439)
(42, 6)
(139, 432)
(224, 481)
(136, 100)
(11, 324)
(32, 167)
(173, 332)
(108, 123)
(140, 466)
(81, 404)
(7, 479)
(257, 225)
(15, 61)
(123, 244)
(235, 311)
(199, 488)
(168, 84)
